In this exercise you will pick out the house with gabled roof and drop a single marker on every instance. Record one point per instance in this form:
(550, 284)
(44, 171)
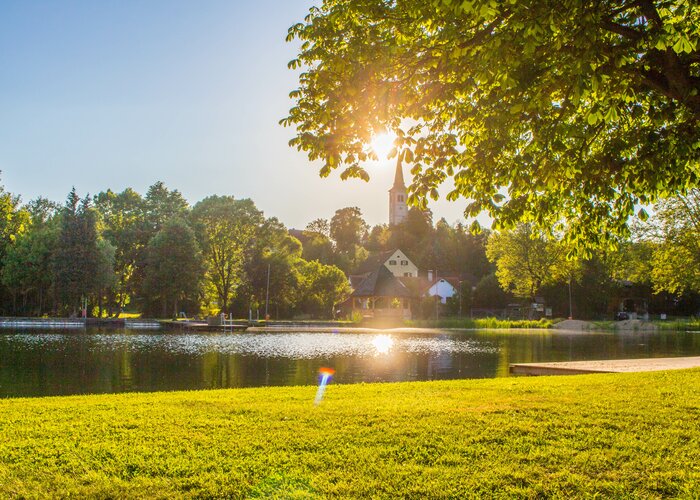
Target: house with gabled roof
(395, 261)
(384, 286)
(443, 287)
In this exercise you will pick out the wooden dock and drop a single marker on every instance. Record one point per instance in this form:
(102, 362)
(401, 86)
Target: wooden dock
(202, 326)
(605, 366)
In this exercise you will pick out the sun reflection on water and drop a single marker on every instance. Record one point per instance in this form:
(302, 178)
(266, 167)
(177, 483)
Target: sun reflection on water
(383, 343)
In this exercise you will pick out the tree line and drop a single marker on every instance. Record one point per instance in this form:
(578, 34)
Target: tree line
(158, 256)
(657, 265)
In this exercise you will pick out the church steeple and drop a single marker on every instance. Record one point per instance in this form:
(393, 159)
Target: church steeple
(398, 176)
(397, 197)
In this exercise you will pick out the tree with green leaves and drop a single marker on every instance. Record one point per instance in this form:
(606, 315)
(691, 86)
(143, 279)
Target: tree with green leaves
(674, 235)
(271, 271)
(317, 246)
(174, 268)
(124, 226)
(225, 228)
(27, 266)
(320, 226)
(526, 260)
(14, 219)
(348, 230)
(42, 210)
(162, 204)
(321, 288)
(565, 114)
(78, 262)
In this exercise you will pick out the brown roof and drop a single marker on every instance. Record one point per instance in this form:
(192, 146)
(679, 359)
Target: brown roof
(381, 283)
(416, 284)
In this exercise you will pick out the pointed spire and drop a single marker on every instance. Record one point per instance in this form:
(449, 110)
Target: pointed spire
(398, 177)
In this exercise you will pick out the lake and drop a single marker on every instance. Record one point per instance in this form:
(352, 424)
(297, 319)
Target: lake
(34, 363)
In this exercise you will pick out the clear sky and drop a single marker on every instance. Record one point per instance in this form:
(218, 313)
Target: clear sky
(116, 94)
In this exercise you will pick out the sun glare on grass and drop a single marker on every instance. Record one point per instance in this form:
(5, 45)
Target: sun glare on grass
(382, 343)
(382, 145)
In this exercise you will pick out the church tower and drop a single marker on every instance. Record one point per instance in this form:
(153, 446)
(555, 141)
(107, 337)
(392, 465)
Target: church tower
(397, 197)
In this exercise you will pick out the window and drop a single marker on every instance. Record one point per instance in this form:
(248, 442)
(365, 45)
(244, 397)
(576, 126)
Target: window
(392, 262)
(408, 275)
(399, 197)
(404, 262)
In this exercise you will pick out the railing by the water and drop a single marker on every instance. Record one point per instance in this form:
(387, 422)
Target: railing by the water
(142, 324)
(79, 323)
(58, 323)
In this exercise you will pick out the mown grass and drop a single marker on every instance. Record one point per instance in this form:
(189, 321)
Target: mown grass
(491, 323)
(610, 435)
(678, 324)
(671, 325)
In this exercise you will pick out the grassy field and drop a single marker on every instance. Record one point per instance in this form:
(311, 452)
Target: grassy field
(677, 324)
(490, 323)
(612, 435)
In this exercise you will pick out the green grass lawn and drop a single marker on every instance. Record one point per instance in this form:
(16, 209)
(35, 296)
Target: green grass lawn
(610, 435)
(490, 323)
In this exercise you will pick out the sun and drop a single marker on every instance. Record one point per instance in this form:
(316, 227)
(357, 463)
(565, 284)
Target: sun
(382, 144)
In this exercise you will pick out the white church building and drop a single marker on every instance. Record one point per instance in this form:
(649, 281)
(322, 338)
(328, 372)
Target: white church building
(398, 210)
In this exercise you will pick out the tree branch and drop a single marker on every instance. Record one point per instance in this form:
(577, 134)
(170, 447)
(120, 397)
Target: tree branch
(624, 31)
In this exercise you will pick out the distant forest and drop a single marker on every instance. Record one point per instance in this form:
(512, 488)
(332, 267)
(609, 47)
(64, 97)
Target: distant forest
(156, 255)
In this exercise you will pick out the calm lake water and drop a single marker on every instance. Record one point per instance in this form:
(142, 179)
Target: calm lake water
(108, 361)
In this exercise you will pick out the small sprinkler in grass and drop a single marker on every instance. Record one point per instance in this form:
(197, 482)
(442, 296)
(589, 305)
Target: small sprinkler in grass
(324, 375)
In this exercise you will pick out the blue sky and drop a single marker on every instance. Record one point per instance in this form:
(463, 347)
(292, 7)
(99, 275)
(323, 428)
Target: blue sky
(116, 94)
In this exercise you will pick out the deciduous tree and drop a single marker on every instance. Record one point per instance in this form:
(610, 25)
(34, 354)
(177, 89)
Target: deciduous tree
(675, 262)
(526, 260)
(566, 114)
(226, 228)
(321, 288)
(124, 226)
(174, 267)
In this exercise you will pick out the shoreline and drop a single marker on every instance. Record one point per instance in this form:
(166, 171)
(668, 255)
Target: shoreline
(452, 324)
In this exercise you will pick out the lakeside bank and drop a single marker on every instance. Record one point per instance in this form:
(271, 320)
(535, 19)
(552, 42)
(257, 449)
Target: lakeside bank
(611, 435)
(238, 325)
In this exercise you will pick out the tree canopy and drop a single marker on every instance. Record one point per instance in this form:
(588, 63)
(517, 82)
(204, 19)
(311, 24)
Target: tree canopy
(526, 261)
(568, 114)
(675, 228)
(226, 228)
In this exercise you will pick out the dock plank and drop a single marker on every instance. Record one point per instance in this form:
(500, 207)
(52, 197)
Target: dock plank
(605, 366)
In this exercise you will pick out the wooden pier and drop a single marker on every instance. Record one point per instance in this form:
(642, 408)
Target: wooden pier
(203, 326)
(605, 366)
(77, 323)
(45, 323)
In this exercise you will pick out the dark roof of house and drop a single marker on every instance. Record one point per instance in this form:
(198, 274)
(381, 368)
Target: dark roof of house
(372, 263)
(417, 285)
(381, 283)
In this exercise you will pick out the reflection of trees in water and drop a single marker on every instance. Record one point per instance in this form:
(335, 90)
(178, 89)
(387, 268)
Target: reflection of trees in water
(126, 372)
(76, 364)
